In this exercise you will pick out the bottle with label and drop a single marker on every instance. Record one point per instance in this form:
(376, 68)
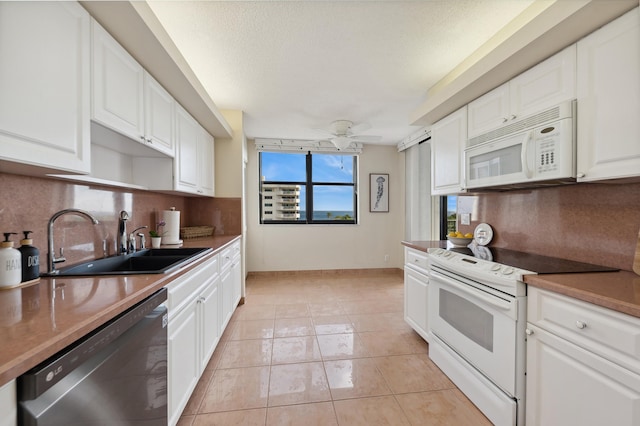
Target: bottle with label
(30, 258)
(10, 262)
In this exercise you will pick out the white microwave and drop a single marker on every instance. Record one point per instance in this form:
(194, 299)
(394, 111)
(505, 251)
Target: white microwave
(535, 151)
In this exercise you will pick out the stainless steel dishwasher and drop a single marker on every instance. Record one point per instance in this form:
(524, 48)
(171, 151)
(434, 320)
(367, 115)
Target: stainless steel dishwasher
(117, 375)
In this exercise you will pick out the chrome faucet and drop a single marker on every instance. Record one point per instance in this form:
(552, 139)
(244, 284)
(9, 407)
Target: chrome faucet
(132, 239)
(122, 245)
(51, 256)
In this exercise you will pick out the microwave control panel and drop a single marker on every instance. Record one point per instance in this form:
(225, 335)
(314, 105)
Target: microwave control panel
(552, 148)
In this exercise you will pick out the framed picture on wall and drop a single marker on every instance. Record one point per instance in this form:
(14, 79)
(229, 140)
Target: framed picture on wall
(379, 192)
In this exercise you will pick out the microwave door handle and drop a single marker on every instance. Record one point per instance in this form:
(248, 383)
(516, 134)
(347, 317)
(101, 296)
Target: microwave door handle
(524, 154)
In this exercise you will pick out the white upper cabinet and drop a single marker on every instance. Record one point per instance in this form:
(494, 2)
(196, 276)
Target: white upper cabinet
(207, 161)
(609, 101)
(543, 86)
(126, 98)
(159, 112)
(118, 86)
(194, 162)
(186, 163)
(44, 87)
(448, 139)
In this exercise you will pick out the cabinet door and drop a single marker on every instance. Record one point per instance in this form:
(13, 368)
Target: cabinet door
(184, 359)
(609, 101)
(8, 404)
(236, 279)
(544, 86)
(210, 328)
(226, 296)
(186, 162)
(448, 138)
(206, 170)
(416, 286)
(489, 111)
(159, 116)
(45, 90)
(118, 86)
(567, 385)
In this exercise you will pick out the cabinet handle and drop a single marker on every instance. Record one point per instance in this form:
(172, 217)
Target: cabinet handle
(528, 332)
(505, 119)
(581, 175)
(150, 140)
(513, 116)
(581, 324)
(142, 138)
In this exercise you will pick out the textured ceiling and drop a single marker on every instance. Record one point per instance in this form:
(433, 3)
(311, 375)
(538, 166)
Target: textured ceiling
(295, 66)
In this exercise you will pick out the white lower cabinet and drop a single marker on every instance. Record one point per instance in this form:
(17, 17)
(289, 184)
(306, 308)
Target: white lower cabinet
(416, 291)
(184, 365)
(200, 304)
(582, 363)
(8, 404)
(231, 282)
(193, 331)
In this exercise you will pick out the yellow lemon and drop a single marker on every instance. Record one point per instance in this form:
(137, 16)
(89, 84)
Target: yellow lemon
(468, 235)
(452, 234)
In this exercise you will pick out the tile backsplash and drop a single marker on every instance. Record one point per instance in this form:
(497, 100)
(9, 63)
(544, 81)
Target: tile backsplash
(27, 203)
(595, 223)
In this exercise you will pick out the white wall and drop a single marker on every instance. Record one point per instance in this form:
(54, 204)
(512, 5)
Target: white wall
(324, 247)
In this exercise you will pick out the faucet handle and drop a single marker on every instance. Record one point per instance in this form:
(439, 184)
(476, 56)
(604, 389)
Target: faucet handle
(143, 241)
(61, 258)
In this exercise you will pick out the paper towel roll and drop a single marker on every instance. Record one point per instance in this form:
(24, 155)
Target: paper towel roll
(172, 227)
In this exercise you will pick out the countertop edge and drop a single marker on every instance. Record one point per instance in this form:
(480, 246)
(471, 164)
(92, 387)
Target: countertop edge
(13, 368)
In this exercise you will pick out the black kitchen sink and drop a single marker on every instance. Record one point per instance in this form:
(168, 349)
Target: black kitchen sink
(148, 261)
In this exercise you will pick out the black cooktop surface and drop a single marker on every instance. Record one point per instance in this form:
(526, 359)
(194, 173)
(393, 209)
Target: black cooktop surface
(532, 262)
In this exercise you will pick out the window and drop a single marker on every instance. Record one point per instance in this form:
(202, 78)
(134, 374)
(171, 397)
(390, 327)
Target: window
(308, 188)
(448, 215)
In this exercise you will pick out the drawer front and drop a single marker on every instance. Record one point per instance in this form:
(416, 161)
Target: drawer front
(417, 259)
(226, 256)
(610, 334)
(235, 250)
(184, 288)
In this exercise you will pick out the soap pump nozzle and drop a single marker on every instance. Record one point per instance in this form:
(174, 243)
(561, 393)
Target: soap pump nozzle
(8, 243)
(26, 239)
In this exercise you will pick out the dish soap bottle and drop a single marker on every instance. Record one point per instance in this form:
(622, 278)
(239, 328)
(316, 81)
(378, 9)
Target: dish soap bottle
(30, 258)
(10, 262)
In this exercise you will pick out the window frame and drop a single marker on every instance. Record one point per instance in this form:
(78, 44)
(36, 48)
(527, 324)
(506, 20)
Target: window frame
(309, 186)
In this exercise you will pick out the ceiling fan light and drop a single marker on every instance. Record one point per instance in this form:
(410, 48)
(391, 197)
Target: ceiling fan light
(341, 142)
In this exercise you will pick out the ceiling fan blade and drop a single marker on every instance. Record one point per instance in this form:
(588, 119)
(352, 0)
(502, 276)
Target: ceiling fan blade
(366, 138)
(359, 128)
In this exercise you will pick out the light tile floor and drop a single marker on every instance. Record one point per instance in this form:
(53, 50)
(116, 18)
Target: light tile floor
(325, 350)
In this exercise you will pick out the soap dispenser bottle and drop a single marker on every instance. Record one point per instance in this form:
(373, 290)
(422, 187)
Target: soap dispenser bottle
(10, 263)
(30, 258)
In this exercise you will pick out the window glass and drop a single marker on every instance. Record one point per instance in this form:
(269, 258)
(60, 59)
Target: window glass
(283, 167)
(333, 202)
(332, 168)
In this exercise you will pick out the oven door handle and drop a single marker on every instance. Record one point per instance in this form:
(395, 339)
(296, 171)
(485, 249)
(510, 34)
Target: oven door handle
(494, 301)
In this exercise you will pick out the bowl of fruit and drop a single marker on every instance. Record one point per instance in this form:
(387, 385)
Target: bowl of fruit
(459, 239)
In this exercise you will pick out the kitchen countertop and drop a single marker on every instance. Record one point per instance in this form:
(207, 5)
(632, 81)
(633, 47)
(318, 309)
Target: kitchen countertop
(38, 320)
(619, 291)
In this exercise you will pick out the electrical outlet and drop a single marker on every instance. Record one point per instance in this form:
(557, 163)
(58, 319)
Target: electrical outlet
(386, 257)
(465, 219)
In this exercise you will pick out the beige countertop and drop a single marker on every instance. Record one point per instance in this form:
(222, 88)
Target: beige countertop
(38, 320)
(619, 291)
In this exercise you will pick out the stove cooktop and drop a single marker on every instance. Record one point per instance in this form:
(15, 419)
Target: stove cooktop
(532, 262)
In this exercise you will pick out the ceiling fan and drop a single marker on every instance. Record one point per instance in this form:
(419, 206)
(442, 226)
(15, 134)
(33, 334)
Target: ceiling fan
(344, 133)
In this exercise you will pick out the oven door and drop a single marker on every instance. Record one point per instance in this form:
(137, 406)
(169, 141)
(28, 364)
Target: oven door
(478, 323)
